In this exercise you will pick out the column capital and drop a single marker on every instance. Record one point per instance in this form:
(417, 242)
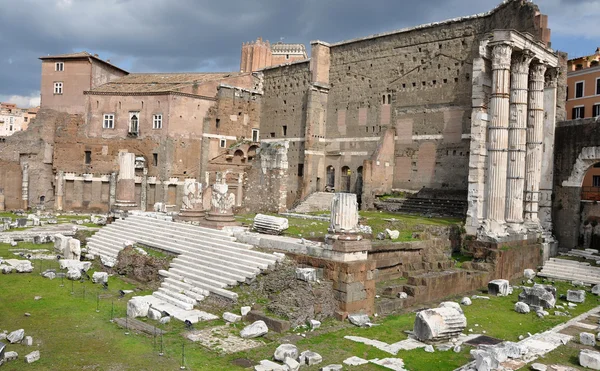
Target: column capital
(501, 54)
(521, 61)
(537, 71)
(551, 77)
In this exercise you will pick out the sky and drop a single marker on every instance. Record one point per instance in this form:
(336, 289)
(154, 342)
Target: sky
(206, 35)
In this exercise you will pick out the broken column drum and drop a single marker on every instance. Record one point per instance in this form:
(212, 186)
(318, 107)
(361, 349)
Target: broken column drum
(221, 211)
(126, 180)
(344, 214)
(192, 208)
(439, 324)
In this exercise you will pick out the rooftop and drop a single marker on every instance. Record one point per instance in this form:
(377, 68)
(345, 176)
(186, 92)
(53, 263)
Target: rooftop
(81, 55)
(159, 82)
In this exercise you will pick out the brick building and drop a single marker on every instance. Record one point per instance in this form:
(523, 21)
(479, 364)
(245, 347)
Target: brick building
(13, 118)
(583, 81)
(66, 76)
(260, 54)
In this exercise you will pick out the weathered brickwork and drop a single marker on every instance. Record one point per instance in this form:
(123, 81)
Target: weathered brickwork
(417, 82)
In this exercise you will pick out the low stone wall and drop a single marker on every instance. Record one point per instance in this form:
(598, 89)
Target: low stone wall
(353, 282)
(398, 259)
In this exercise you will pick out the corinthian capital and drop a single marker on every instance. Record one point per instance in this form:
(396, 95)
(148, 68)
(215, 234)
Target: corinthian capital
(537, 71)
(551, 77)
(521, 61)
(501, 54)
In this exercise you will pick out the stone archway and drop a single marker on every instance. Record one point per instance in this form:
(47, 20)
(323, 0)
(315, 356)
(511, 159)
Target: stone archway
(573, 216)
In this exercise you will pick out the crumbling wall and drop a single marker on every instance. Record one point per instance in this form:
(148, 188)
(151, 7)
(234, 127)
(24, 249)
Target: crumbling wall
(266, 183)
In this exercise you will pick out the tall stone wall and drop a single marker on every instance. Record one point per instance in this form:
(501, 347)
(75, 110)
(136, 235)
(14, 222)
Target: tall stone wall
(417, 81)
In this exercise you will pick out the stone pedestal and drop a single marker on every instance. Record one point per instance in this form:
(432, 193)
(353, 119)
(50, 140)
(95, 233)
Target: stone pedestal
(192, 208)
(221, 211)
(126, 181)
(343, 238)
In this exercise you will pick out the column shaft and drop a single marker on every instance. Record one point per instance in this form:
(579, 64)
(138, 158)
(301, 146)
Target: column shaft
(517, 129)
(535, 132)
(498, 133)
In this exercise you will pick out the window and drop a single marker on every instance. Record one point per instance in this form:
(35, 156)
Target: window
(255, 135)
(579, 89)
(157, 121)
(596, 110)
(58, 87)
(59, 66)
(300, 169)
(284, 130)
(596, 181)
(218, 123)
(598, 86)
(11, 122)
(155, 159)
(109, 121)
(578, 112)
(88, 157)
(272, 135)
(222, 143)
(25, 118)
(134, 122)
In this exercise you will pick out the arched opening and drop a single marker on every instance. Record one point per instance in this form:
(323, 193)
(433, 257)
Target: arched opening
(42, 200)
(252, 152)
(238, 156)
(345, 179)
(589, 230)
(330, 179)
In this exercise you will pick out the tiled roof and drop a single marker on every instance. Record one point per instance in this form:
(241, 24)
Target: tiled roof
(78, 55)
(158, 82)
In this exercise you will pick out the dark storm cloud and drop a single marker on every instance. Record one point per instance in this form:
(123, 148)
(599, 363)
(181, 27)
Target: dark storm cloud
(192, 35)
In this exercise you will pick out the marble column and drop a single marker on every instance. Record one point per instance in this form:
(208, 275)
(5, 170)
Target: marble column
(144, 190)
(25, 187)
(126, 180)
(535, 132)
(2, 204)
(60, 189)
(498, 136)
(517, 130)
(112, 190)
(344, 213)
(192, 206)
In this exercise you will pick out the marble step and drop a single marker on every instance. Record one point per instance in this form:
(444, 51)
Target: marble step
(199, 284)
(181, 226)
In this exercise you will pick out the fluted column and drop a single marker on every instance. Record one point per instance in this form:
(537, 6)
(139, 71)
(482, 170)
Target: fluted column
(535, 132)
(25, 187)
(60, 189)
(126, 180)
(344, 213)
(498, 133)
(517, 130)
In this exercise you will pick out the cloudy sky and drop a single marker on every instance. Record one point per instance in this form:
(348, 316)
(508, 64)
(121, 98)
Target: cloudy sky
(206, 35)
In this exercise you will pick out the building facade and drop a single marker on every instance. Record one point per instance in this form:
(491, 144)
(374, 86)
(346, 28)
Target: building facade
(14, 119)
(260, 54)
(66, 76)
(583, 81)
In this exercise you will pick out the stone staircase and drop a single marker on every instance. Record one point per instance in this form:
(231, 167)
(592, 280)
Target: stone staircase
(424, 206)
(570, 270)
(317, 201)
(208, 261)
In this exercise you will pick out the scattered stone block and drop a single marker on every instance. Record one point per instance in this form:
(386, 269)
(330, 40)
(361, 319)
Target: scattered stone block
(32, 357)
(292, 364)
(258, 328)
(74, 264)
(439, 324)
(165, 320)
(355, 361)
(586, 338)
(402, 295)
(24, 266)
(466, 301)
(154, 314)
(16, 336)
(360, 320)
(100, 277)
(596, 290)
(270, 224)
(27, 341)
(539, 367)
(590, 359)
(245, 310)
(529, 274)
(310, 358)
(306, 274)
(314, 324)
(285, 351)
(137, 307)
(451, 304)
(273, 324)
(429, 349)
(334, 367)
(7, 269)
(576, 296)
(231, 317)
(266, 365)
(498, 287)
(392, 234)
(11, 356)
(73, 274)
(521, 307)
(457, 349)
(540, 295)
(49, 275)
